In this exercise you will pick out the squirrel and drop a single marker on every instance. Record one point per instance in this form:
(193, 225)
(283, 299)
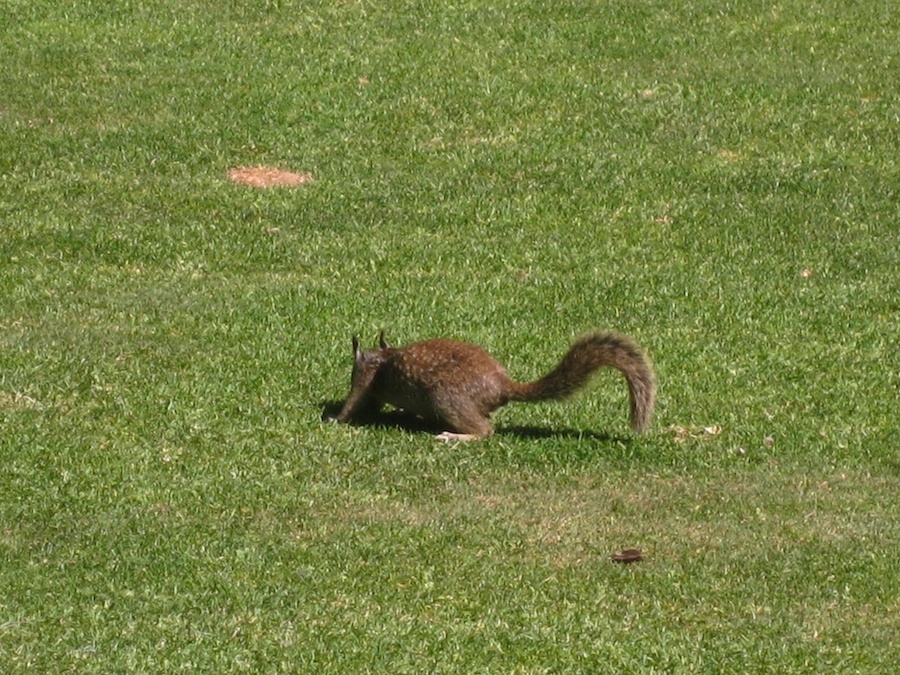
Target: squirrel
(459, 384)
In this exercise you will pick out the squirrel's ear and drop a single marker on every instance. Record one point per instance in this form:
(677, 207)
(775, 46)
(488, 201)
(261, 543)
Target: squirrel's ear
(356, 352)
(382, 342)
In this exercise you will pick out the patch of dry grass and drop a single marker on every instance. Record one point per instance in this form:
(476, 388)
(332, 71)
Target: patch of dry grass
(266, 177)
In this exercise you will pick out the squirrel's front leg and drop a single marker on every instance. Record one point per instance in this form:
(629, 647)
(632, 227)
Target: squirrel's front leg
(468, 422)
(357, 405)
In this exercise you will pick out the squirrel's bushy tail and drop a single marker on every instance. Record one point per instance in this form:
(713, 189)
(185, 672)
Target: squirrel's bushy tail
(586, 355)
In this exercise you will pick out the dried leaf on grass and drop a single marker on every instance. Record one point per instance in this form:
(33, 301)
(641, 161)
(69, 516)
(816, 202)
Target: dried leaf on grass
(629, 555)
(683, 434)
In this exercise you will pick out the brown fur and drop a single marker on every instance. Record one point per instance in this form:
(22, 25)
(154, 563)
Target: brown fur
(459, 384)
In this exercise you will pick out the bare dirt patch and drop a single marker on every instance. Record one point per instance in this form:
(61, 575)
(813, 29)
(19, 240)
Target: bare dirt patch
(266, 177)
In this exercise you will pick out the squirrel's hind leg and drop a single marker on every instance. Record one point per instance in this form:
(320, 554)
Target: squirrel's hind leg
(453, 436)
(468, 424)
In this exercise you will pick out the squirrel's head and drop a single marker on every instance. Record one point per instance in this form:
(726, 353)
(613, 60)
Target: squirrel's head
(366, 361)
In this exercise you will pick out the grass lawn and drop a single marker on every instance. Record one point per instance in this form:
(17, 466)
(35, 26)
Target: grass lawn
(720, 181)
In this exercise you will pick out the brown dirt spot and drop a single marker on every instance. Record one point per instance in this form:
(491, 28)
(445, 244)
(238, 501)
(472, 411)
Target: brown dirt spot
(265, 177)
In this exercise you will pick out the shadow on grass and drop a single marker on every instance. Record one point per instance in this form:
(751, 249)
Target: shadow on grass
(394, 419)
(538, 448)
(533, 432)
(398, 419)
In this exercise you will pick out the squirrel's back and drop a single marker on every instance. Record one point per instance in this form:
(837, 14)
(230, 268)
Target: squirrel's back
(430, 376)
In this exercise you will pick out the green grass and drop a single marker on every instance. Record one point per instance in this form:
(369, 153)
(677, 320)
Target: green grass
(512, 174)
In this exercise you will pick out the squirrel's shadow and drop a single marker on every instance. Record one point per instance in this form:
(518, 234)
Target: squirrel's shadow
(399, 419)
(393, 419)
(544, 432)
